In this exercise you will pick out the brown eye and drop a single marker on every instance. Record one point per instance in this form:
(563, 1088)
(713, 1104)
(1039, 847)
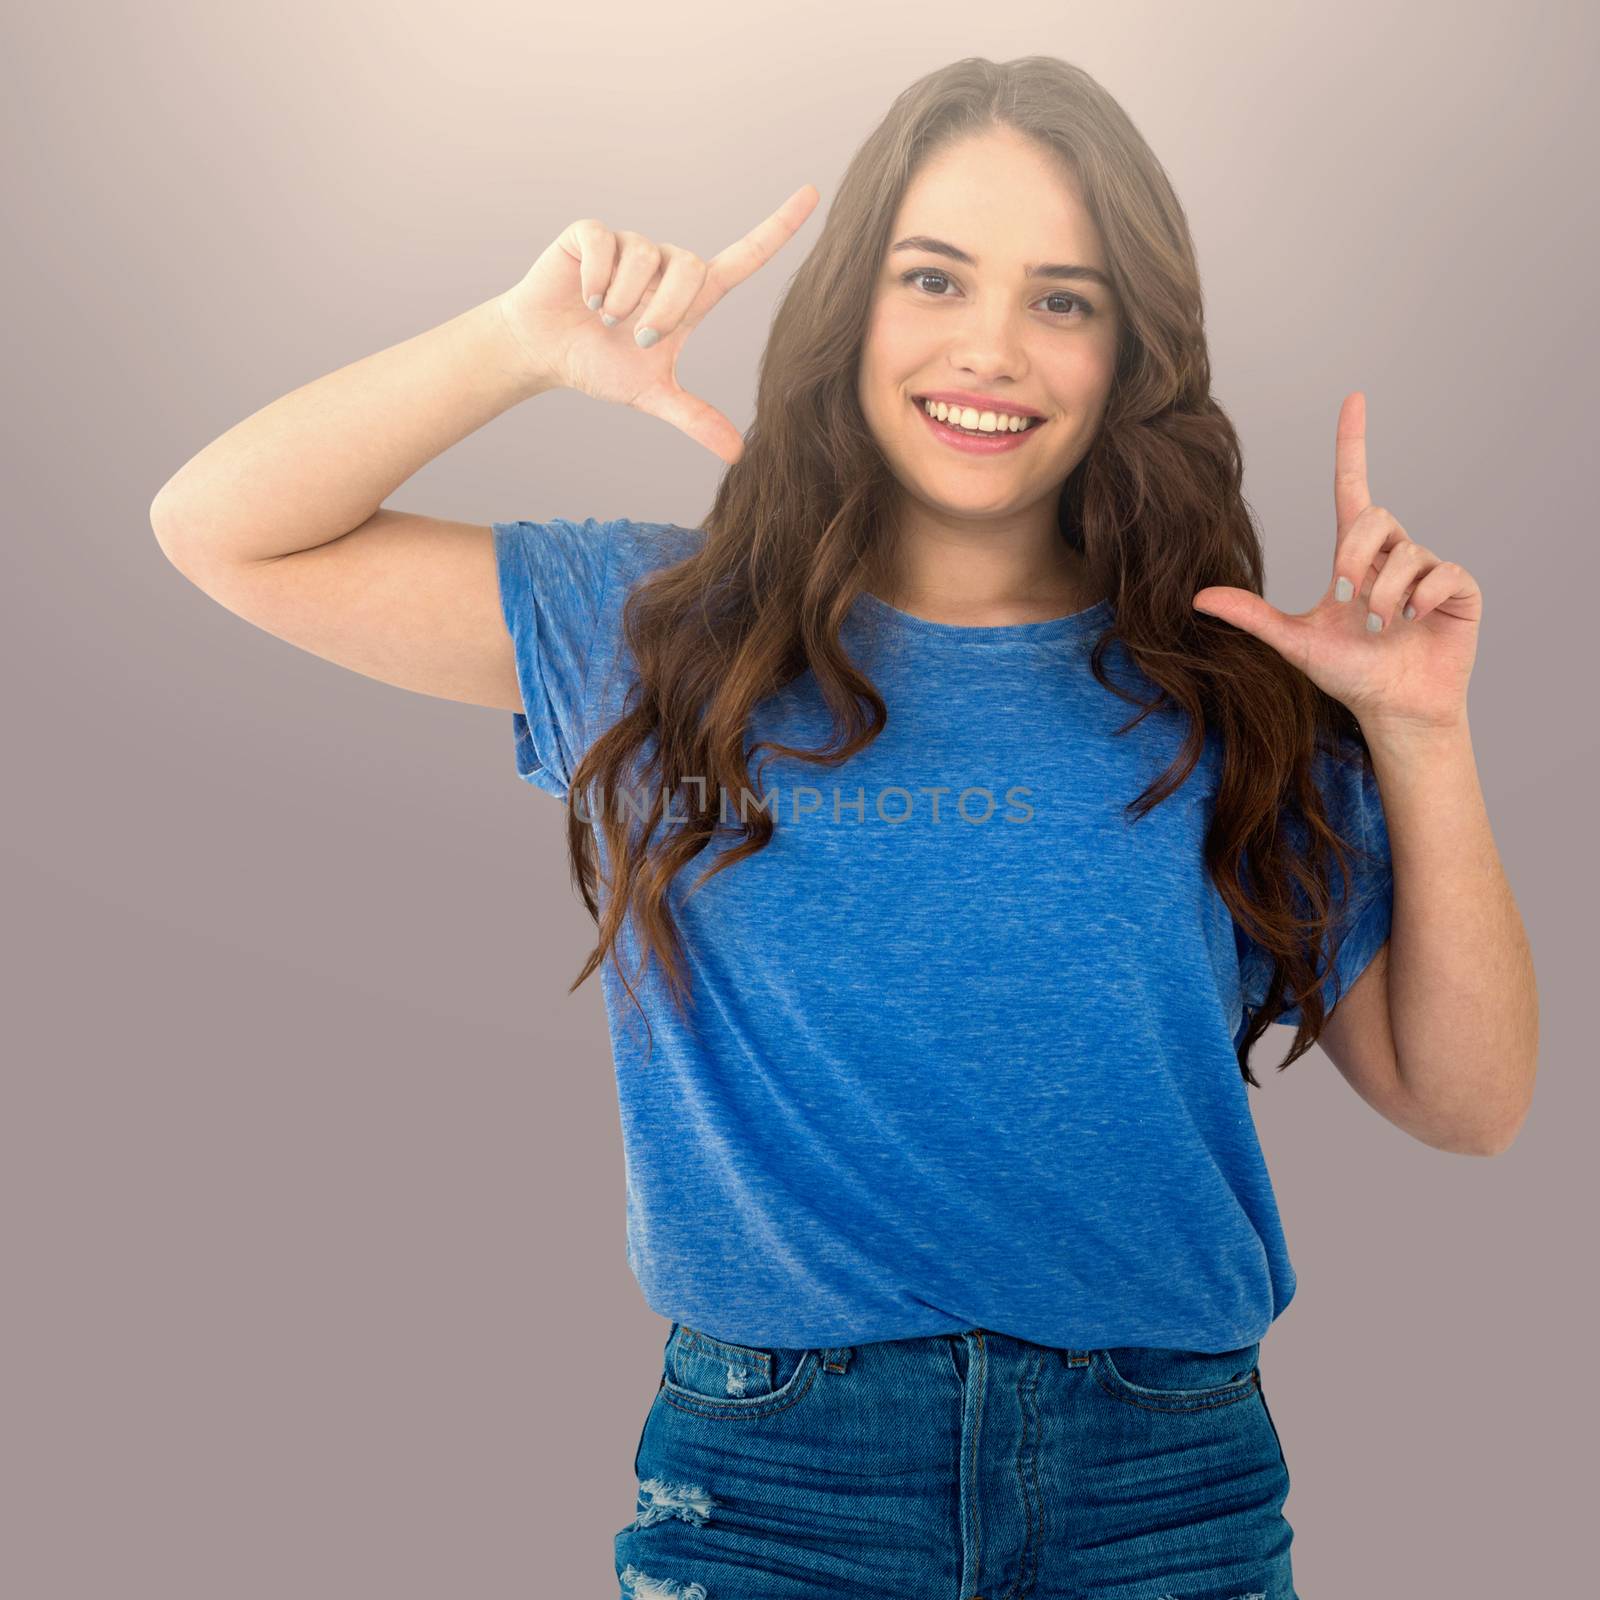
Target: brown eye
(1076, 302)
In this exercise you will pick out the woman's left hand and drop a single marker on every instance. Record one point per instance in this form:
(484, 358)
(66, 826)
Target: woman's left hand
(1413, 672)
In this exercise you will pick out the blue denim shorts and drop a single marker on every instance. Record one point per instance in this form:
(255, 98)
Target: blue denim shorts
(963, 1466)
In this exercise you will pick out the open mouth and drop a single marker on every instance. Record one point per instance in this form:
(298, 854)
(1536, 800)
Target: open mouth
(1008, 422)
(983, 441)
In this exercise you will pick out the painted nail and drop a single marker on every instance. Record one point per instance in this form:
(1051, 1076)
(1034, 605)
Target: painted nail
(1374, 622)
(594, 301)
(1343, 589)
(646, 337)
(1409, 613)
(609, 320)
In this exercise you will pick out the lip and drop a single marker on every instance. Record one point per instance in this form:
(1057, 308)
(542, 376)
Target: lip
(981, 444)
(979, 402)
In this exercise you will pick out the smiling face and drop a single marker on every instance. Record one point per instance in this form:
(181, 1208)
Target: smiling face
(984, 327)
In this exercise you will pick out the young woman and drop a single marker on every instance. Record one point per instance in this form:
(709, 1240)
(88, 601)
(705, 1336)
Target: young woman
(956, 815)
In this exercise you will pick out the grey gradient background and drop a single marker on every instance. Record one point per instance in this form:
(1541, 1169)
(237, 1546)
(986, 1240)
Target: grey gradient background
(312, 1208)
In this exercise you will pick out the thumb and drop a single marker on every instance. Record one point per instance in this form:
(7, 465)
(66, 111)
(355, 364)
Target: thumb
(1248, 612)
(696, 417)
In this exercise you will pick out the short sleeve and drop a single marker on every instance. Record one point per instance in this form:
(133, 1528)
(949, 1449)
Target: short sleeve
(1362, 915)
(553, 590)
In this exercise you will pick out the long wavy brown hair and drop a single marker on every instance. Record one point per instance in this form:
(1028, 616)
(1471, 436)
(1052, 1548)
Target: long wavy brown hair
(796, 533)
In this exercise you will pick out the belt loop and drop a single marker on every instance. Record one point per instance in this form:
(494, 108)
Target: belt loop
(835, 1359)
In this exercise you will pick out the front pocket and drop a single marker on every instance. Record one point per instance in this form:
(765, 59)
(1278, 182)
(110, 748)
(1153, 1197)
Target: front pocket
(1177, 1380)
(714, 1376)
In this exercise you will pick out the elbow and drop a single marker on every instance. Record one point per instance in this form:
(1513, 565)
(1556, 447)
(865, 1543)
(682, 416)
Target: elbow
(1490, 1120)
(163, 523)
(1500, 1135)
(1489, 1144)
(1495, 1138)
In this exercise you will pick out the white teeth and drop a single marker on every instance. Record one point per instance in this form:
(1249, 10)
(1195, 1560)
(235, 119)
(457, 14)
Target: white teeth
(971, 420)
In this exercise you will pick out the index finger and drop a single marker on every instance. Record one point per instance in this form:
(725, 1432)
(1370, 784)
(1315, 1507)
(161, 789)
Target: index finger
(1350, 496)
(733, 265)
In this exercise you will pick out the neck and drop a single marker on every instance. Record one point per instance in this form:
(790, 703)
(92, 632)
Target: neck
(983, 586)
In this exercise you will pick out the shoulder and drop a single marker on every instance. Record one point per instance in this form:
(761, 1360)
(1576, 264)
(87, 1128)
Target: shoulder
(584, 562)
(644, 547)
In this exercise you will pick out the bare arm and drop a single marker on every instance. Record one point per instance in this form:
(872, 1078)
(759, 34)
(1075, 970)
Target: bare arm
(319, 461)
(282, 520)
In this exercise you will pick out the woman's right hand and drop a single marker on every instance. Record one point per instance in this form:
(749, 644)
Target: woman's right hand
(643, 285)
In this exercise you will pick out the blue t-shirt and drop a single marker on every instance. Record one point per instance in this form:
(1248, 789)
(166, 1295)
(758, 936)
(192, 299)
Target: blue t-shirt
(962, 1053)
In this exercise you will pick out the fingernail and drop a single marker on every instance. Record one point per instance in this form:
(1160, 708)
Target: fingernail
(594, 301)
(1409, 613)
(609, 320)
(1343, 589)
(1374, 622)
(646, 337)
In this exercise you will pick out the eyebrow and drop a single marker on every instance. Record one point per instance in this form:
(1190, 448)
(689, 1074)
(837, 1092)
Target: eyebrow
(1048, 269)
